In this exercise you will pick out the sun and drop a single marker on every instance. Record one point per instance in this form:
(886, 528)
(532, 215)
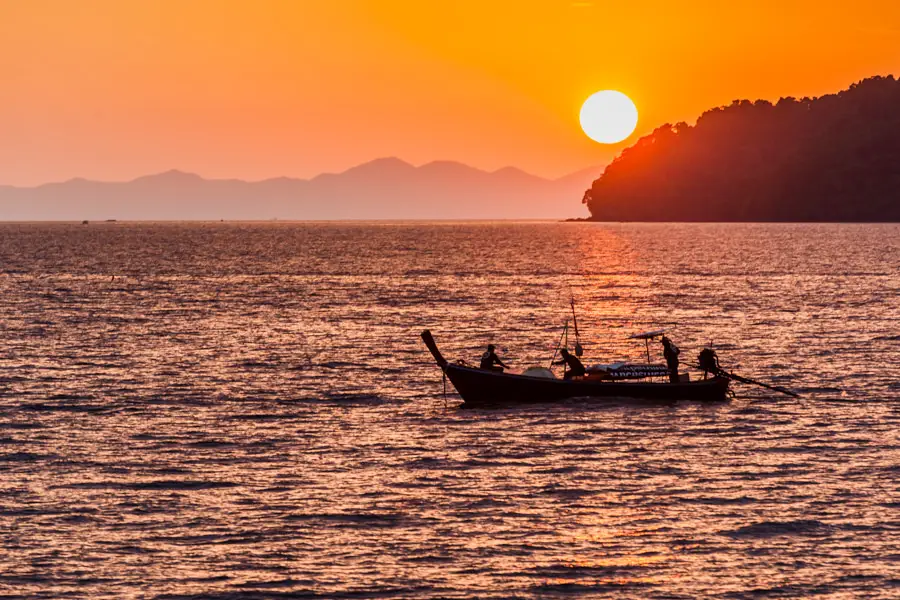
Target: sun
(608, 117)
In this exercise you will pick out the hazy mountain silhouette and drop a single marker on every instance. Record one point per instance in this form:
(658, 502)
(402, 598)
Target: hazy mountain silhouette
(834, 158)
(387, 188)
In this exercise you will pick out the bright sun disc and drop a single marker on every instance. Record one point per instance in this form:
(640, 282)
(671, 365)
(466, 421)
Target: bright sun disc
(608, 117)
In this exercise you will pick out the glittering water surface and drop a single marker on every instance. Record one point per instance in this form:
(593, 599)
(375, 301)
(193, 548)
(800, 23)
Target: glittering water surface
(246, 410)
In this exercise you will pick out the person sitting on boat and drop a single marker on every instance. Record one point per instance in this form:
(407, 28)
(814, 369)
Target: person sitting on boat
(576, 369)
(671, 352)
(490, 361)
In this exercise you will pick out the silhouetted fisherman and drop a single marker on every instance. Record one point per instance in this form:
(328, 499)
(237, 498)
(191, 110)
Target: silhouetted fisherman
(490, 361)
(576, 369)
(671, 352)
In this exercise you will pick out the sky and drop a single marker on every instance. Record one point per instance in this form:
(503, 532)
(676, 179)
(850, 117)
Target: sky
(116, 89)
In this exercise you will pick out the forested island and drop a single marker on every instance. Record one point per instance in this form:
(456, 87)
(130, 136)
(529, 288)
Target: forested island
(833, 158)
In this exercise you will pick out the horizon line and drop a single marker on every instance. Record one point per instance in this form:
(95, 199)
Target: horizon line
(428, 220)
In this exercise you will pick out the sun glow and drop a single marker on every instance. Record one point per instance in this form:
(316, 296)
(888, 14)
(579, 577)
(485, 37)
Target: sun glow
(608, 117)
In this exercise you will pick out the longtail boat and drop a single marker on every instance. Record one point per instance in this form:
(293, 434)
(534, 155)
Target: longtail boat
(482, 387)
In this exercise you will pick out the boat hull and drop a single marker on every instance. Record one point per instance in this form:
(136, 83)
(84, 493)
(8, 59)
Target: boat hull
(480, 387)
(485, 388)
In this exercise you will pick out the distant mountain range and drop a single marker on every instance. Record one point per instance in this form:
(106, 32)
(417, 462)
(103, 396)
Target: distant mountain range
(387, 188)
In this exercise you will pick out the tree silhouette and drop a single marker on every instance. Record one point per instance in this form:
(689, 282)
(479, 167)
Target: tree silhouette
(833, 158)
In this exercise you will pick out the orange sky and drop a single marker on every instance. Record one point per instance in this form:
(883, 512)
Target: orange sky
(114, 89)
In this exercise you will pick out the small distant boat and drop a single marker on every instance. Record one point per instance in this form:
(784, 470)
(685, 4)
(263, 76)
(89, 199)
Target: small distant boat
(481, 387)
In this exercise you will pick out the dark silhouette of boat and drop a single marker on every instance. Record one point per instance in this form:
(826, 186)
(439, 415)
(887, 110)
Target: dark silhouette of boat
(481, 387)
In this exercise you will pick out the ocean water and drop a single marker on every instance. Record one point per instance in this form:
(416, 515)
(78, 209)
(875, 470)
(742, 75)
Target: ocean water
(246, 411)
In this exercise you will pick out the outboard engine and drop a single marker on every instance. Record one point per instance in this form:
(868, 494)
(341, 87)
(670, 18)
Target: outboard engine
(708, 360)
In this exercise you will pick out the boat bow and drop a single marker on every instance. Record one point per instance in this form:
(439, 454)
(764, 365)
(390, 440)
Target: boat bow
(432, 347)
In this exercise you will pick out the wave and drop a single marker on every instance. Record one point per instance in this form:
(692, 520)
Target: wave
(351, 519)
(25, 457)
(211, 444)
(351, 397)
(578, 589)
(886, 338)
(181, 485)
(63, 407)
(164, 484)
(767, 529)
(248, 593)
(718, 500)
(22, 426)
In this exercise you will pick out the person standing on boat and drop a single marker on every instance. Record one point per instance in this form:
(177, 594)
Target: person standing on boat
(490, 361)
(576, 369)
(671, 352)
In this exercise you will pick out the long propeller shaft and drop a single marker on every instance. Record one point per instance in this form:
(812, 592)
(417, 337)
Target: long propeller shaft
(774, 388)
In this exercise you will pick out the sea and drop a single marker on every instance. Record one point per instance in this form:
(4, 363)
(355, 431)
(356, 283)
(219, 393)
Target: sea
(246, 410)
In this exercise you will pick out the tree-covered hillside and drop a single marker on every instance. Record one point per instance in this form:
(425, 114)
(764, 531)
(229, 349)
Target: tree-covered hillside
(833, 158)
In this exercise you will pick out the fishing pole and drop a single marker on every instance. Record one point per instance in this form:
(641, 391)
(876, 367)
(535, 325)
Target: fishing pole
(559, 343)
(579, 351)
